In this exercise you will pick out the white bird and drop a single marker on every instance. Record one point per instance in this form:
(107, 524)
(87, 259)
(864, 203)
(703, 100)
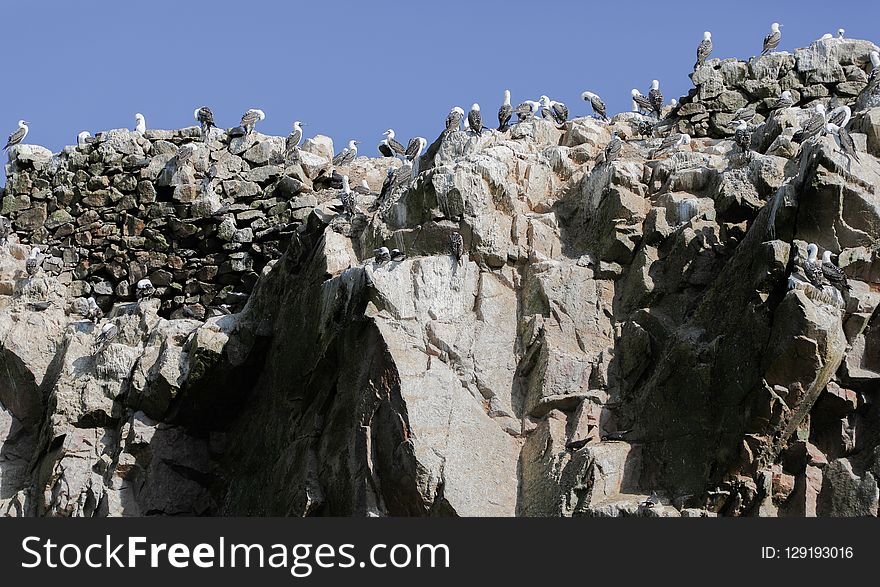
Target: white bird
(141, 125)
(381, 255)
(107, 335)
(144, 289)
(826, 37)
(32, 263)
(771, 41)
(93, 311)
(250, 119)
(556, 110)
(391, 147)
(347, 154)
(704, 49)
(292, 143)
(82, 138)
(596, 104)
(840, 116)
(655, 97)
(453, 119)
(475, 119)
(784, 101)
(640, 102)
(671, 143)
(527, 110)
(414, 152)
(840, 33)
(18, 135)
(505, 112)
(205, 117)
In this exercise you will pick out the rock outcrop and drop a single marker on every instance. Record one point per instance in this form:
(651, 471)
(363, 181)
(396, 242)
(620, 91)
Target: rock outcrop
(643, 309)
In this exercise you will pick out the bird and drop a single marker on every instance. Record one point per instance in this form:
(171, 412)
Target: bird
(596, 104)
(612, 149)
(526, 110)
(381, 255)
(205, 118)
(641, 103)
(704, 49)
(390, 147)
(397, 255)
(505, 112)
(834, 274)
(349, 205)
(840, 33)
(743, 137)
(363, 189)
(618, 435)
(556, 110)
(653, 500)
(840, 115)
(826, 37)
(18, 135)
(140, 123)
(577, 444)
(670, 143)
(643, 127)
(745, 114)
(475, 119)
(847, 145)
(812, 267)
(784, 101)
(814, 125)
(250, 119)
(453, 119)
(107, 335)
(82, 139)
(291, 144)
(93, 310)
(387, 185)
(32, 263)
(655, 97)
(456, 245)
(771, 41)
(347, 155)
(5, 230)
(414, 152)
(144, 289)
(875, 65)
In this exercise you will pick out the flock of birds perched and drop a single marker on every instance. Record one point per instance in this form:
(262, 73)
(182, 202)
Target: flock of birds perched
(651, 105)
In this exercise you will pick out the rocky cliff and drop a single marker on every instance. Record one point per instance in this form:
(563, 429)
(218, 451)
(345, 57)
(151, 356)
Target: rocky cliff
(646, 309)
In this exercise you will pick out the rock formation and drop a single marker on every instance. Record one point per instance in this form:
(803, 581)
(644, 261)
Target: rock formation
(641, 309)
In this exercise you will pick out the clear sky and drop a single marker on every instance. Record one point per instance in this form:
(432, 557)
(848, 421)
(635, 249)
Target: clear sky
(352, 69)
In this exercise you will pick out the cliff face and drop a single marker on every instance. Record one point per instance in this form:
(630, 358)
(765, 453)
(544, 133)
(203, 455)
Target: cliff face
(650, 306)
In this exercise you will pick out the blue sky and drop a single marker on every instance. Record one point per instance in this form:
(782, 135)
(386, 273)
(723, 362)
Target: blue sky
(352, 69)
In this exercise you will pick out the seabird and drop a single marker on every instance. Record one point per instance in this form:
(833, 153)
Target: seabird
(612, 149)
(456, 245)
(144, 289)
(814, 125)
(840, 116)
(505, 112)
(812, 267)
(840, 33)
(596, 104)
(382, 255)
(847, 145)
(349, 205)
(745, 114)
(347, 155)
(397, 255)
(18, 135)
(93, 311)
(640, 102)
(250, 119)
(363, 189)
(526, 110)
(390, 147)
(619, 435)
(577, 444)
(834, 274)
(32, 263)
(475, 119)
(743, 137)
(670, 143)
(653, 500)
(453, 120)
(291, 145)
(205, 118)
(655, 97)
(826, 37)
(703, 49)
(414, 152)
(875, 64)
(82, 139)
(784, 101)
(557, 110)
(387, 185)
(105, 337)
(771, 41)
(5, 230)
(141, 123)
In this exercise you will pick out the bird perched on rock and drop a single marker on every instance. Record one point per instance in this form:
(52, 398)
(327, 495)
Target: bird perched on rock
(349, 204)
(205, 118)
(82, 139)
(397, 255)
(612, 149)
(250, 119)
(347, 155)
(527, 110)
(553, 109)
(144, 289)
(847, 145)
(671, 143)
(652, 501)
(596, 104)
(382, 255)
(291, 144)
(814, 125)
(363, 189)
(93, 310)
(32, 263)
(107, 335)
(840, 115)
(812, 267)
(618, 435)
(655, 97)
(475, 119)
(453, 119)
(743, 137)
(771, 41)
(784, 101)
(704, 49)
(745, 114)
(577, 444)
(456, 245)
(505, 113)
(640, 102)
(390, 147)
(834, 274)
(5, 230)
(414, 152)
(18, 135)
(841, 33)
(140, 123)
(395, 179)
